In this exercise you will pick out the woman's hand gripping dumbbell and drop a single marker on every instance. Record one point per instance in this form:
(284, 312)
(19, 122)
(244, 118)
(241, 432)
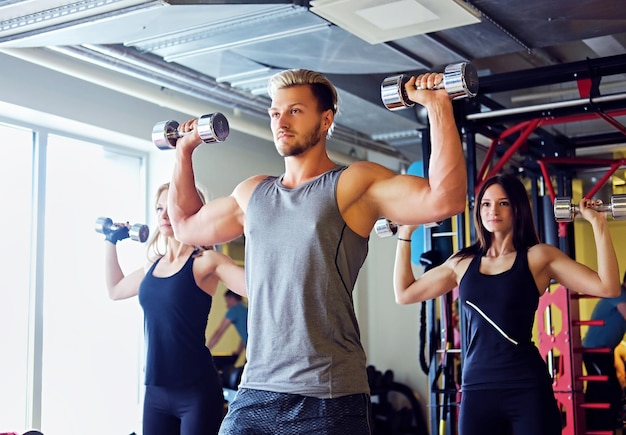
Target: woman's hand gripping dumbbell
(114, 232)
(565, 211)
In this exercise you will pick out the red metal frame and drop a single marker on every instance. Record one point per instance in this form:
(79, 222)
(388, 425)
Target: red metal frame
(567, 384)
(527, 127)
(613, 164)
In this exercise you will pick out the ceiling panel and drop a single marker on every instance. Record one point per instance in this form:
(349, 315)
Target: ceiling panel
(226, 51)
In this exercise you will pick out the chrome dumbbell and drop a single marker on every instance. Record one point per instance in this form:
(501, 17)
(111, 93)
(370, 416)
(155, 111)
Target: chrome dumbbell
(460, 80)
(387, 228)
(137, 232)
(564, 210)
(212, 127)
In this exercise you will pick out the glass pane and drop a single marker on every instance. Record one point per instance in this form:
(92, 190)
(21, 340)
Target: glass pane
(15, 195)
(92, 346)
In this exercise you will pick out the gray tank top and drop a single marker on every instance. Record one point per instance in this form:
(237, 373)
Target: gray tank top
(302, 262)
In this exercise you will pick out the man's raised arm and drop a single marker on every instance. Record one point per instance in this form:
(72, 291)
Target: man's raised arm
(216, 222)
(442, 193)
(447, 171)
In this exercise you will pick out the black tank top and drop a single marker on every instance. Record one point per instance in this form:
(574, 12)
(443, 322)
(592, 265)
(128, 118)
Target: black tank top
(175, 318)
(500, 312)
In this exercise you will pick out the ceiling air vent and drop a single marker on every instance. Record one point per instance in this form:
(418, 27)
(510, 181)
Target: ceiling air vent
(378, 21)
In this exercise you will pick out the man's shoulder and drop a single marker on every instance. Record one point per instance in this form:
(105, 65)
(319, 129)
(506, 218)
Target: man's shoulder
(253, 181)
(365, 165)
(365, 173)
(243, 191)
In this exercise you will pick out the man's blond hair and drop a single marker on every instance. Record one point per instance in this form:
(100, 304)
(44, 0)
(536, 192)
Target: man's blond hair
(323, 90)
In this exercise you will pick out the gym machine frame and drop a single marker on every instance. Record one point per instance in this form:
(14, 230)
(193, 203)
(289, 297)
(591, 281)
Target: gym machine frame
(568, 379)
(443, 359)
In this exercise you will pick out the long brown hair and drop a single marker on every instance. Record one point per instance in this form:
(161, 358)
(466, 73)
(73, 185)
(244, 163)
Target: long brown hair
(524, 230)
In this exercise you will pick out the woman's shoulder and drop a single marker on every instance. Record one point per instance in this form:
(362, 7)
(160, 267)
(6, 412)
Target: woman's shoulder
(459, 264)
(210, 258)
(544, 257)
(544, 251)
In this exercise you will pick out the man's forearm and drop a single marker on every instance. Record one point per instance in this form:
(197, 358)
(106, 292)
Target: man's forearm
(447, 171)
(183, 198)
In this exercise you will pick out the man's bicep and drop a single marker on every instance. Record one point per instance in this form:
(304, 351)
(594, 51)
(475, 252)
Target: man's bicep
(407, 199)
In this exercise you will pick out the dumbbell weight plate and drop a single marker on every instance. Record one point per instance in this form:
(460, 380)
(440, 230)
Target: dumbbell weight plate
(139, 232)
(563, 210)
(393, 93)
(165, 134)
(213, 127)
(460, 80)
(385, 228)
(619, 207)
(103, 225)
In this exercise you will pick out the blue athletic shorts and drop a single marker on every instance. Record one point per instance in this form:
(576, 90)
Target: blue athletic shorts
(264, 412)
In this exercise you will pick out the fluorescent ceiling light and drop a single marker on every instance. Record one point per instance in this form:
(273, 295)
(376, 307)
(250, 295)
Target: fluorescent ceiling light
(377, 21)
(279, 34)
(31, 18)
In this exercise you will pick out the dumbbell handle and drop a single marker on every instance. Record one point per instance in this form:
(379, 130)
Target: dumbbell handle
(386, 228)
(177, 134)
(459, 80)
(599, 208)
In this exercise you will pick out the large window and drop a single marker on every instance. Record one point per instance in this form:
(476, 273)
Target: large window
(75, 362)
(16, 147)
(91, 346)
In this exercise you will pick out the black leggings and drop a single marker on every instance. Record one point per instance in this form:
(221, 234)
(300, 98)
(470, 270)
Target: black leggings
(194, 410)
(512, 411)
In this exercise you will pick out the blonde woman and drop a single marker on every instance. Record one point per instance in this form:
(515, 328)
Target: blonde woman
(175, 288)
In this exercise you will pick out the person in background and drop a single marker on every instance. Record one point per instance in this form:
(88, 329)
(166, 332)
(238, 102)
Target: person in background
(613, 312)
(236, 315)
(505, 381)
(183, 392)
(307, 234)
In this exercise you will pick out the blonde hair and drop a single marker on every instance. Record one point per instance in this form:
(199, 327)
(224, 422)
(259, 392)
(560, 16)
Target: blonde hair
(323, 90)
(158, 241)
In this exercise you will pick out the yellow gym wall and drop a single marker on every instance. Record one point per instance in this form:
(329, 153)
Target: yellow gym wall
(230, 341)
(586, 254)
(585, 247)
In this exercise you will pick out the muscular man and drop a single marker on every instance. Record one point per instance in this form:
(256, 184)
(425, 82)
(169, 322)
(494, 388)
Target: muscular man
(307, 237)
